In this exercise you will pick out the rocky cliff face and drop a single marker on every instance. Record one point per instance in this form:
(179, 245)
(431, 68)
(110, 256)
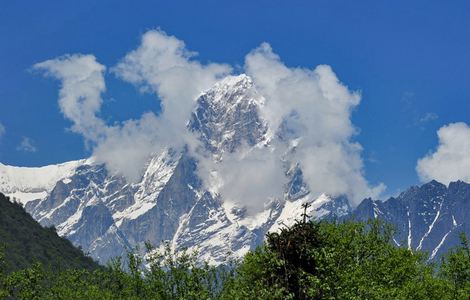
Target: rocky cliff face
(106, 216)
(429, 217)
(227, 116)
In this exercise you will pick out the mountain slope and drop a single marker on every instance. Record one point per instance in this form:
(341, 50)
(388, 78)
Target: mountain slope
(429, 217)
(24, 242)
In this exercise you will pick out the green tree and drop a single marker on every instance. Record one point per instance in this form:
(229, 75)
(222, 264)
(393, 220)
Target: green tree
(455, 269)
(330, 260)
(308, 260)
(3, 291)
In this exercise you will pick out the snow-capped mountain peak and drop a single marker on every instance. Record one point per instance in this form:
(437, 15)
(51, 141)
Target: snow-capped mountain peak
(227, 115)
(237, 85)
(106, 216)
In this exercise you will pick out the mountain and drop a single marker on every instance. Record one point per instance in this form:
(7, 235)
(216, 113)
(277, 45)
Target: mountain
(227, 115)
(106, 215)
(24, 242)
(429, 217)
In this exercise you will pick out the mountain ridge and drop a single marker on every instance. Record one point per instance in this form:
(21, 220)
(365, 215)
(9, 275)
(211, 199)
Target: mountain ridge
(428, 217)
(106, 215)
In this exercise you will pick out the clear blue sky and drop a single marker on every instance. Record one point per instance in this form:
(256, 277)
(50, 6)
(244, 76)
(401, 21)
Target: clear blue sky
(410, 59)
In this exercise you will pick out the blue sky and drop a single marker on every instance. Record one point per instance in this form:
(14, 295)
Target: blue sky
(409, 60)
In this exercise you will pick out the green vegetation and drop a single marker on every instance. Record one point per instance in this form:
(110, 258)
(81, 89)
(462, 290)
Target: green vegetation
(309, 260)
(346, 261)
(27, 242)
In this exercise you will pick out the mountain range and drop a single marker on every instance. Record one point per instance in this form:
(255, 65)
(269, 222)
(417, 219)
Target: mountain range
(106, 215)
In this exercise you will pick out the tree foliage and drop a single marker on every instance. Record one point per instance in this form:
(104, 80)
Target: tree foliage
(308, 260)
(27, 242)
(336, 261)
(455, 270)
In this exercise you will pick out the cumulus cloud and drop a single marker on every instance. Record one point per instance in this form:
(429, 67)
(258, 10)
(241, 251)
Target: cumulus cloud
(80, 93)
(451, 160)
(308, 112)
(27, 145)
(125, 147)
(314, 105)
(161, 63)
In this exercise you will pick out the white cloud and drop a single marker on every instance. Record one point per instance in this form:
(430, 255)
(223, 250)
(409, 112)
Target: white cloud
(318, 107)
(451, 160)
(80, 99)
(249, 177)
(161, 63)
(127, 147)
(124, 148)
(310, 102)
(27, 145)
(307, 108)
(2, 130)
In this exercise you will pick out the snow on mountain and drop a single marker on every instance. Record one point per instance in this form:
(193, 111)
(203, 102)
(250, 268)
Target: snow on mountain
(227, 115)
(429, 217)
(320, 208)
(106, 215)
(25, 184)
(157, 174)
